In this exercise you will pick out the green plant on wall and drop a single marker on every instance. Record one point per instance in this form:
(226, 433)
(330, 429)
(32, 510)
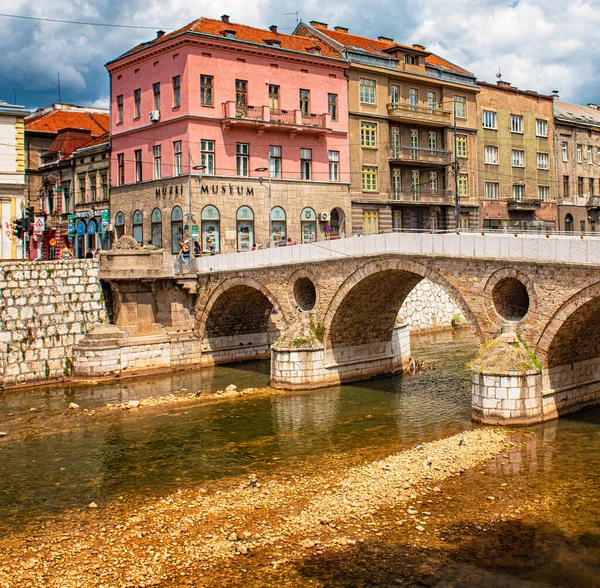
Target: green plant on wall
(68, 368)
(46, 369)
(318, 331)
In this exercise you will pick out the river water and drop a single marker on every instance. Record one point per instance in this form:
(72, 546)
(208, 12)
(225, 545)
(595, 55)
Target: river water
(53, 461)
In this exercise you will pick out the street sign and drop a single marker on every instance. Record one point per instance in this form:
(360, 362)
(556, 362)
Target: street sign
(39, 225)
(194, 231)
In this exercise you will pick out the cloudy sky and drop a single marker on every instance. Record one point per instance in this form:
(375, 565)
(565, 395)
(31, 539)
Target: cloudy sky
(537, 44)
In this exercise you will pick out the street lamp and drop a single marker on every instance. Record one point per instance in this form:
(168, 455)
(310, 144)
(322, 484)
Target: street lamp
(263, 169)
(190, 168)
(454, 163)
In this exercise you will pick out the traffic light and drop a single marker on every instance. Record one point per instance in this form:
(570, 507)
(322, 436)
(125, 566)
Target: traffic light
(18, 227)
(29, 215)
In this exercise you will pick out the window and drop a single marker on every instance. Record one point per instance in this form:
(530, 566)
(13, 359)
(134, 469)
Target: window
(370, 221)
(138, 165)
(156, 228)
(397, 183)
(395, 137)
(518, 192)
(579, 149)
(137, 103)
(411, 59)
(176, 91)
(305, 102)
(433, 181)
(103, 187)
(306, 164)
(119, 224)
(580, 187)
(334, 166)
(414, 139)
(207, 157)
(395, 94)
(461, 146)
(460, 107)
(242, 159)
(544, 193)
(492, 190)
(431, 100)
(565, 151)
(92, 195)
(368, 134)
(275, 161)
(432, 140)
(156, 92)
(369, 178)
(582, 226)
(120, 169)
(463, 184)
(332, 106)
(566, 186)
(177, 158)
(489, 120)
(176, 228)
(490, 155)
(592, 187)
(598, 157)
(416, 184)
(241, 94)
(367, 91)
(273, 97)
(206, 90)
(518, 158)
(413, 96)
(81, 179)
(541, 127)
(138, 226)
(542, 161)
(590, 157)
(157, 164)
(119, 109)
(516, 123)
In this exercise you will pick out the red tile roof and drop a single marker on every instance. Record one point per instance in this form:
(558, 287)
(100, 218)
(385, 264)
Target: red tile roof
(209, 26)
(68, 141)
(382, 49)
(55, 120)
(97, 141)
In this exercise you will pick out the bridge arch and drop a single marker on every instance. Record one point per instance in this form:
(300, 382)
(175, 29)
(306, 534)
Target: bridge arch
(381, 286)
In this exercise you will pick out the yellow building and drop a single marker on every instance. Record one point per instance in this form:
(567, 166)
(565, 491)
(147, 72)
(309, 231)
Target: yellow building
(12, 175)
(403, 104)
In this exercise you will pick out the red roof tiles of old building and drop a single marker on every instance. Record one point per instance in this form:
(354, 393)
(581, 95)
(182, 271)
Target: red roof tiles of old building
(68, 140)
(56, 120)
(266, 37)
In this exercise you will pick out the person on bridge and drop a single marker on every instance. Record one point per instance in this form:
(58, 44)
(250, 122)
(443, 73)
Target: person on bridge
(184, 253)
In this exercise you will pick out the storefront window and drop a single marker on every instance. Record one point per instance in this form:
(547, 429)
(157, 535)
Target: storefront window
(138, 227)
(278, 228)
(245, 228)
(211, 234)
(176, 228)
(156, 228)
(119, 225)
(92, 229)
(308, 225)
(81, 230)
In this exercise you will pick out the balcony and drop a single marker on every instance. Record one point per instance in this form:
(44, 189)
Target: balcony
(263, 117)
(424, 114)
(419, 155)
(526, 204)
(57, 219)
(593, 202)
(422, 196)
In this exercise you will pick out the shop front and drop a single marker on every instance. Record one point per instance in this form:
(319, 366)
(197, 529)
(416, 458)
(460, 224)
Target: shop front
(245, 228)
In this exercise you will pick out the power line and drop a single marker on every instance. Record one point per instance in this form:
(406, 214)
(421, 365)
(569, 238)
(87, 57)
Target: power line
(78, 22)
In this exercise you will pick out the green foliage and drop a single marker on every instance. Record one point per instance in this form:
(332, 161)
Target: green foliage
(46, 369)
(530, 353)
(68, 368)
(456, 320)
(299, 341)
(318, 331)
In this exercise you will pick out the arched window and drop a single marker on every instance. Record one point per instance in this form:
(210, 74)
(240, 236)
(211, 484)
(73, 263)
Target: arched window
(568, 223)
(138, 226)
(245, 228)
(278, 225)
(81, 231)
(308, 225)
(92, 229)
(119, 224)
(211, 229)
(176, 228)
(156, 228)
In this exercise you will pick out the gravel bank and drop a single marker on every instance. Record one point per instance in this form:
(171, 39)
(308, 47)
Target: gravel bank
(185, 537)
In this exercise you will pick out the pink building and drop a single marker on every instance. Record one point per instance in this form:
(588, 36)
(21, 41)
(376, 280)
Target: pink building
(225, 106)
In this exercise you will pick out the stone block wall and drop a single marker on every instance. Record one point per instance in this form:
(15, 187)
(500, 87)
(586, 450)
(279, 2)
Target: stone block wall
(429, 307)
(45, 309)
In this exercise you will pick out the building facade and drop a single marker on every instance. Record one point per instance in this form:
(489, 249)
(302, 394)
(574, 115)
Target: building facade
(12, 176)
(242, 131)
(52, 135)
(402, 141)
(516, 158)
(577, 132)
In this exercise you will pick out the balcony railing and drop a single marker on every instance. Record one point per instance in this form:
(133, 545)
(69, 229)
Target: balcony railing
(593, 201)
(266, 114)
(427, 114)
(525, 204)
(421, 196)
(405, 153)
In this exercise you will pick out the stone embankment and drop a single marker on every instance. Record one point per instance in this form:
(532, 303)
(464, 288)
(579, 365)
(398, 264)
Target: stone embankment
(45, 309)
(188, 538)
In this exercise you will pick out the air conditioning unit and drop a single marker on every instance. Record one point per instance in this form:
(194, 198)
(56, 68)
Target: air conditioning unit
(324, 216)
(154, 115)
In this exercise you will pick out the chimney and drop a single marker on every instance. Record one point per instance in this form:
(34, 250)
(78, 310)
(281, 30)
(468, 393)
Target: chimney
(503, 84)
(592, 105)
(318, 25)
(555, 95)
(273, 29)
(159, 34)
(341, 29)
(225, 18)
(385, 40)
(419, 46)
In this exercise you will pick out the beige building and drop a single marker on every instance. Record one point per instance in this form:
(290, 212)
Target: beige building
(401, 101)
(516, 158)
(577, 142)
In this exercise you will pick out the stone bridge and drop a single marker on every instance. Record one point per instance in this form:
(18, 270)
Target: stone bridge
(327, 312)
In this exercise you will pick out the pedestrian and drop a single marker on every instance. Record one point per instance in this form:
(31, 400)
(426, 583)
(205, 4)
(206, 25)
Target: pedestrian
(327, 231)
(197, 248)
(151, 245)
(290, 242)
(89, 254)
(184, 253)
(66, 253)
(97, 252)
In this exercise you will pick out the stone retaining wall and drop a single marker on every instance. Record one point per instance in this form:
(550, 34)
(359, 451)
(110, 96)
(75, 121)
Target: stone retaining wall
(45, 309)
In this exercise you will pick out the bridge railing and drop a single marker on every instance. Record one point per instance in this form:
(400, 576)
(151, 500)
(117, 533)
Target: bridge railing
(550, 248)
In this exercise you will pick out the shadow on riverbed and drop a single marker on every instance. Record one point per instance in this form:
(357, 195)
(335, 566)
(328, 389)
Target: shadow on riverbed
(511, 554)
